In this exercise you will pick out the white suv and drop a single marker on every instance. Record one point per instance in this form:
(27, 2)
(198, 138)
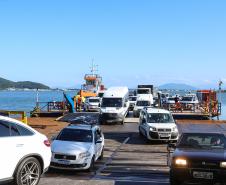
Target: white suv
(92, 104)
(77, 146)
(157, 124)
(25, 153)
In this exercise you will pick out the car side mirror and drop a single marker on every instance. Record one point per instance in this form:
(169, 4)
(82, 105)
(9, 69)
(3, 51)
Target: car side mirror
(171, 146)
(99, 141)
(53, 137)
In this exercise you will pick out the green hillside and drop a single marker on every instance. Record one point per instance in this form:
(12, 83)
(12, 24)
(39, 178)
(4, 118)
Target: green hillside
(4, 84)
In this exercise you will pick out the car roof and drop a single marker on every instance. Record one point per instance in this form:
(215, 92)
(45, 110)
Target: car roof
(82, 126)
(203, 132)
(157, 110)
(116, 92)
(4, 118)
(93, 97)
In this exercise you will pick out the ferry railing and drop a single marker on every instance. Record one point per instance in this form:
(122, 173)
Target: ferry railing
(51, 106)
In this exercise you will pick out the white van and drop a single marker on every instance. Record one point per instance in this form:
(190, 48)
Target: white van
(114, 105)
(142, 101)
(145, 93)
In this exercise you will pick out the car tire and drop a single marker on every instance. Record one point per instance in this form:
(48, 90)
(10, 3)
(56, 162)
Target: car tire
(102, 154)
(174, 181)
(29, 167)
(123, 121)
(140, 133)
(92, 165)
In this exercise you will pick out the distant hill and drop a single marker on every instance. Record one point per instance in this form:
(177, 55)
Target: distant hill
(176, 86)
(5, 84)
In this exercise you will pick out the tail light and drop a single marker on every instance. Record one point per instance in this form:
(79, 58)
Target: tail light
(47, 143)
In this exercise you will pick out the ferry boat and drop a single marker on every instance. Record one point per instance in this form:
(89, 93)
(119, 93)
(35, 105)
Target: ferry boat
(93, 83)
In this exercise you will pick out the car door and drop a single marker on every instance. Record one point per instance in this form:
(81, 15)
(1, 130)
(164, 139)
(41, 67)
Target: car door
(15, 146)
(98, 145)
(142, 123)
(11, 149)
(145, 125)
(7, 150)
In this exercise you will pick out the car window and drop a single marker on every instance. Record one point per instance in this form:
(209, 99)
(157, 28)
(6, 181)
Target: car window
(13, 130)
(143, 103)
(132, 98)
(202, 141)
(75, 135)
(4, 129)
(97, 135)
(160, 118)
(24, 131)
(187, 98)
(94, 100)
(112, 102)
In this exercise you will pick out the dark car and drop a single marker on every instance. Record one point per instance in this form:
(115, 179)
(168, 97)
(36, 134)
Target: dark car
(198, 158)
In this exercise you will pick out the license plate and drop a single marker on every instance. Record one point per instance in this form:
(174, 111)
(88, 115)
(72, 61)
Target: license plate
(203, 175)
(65, 162)
(164, 134)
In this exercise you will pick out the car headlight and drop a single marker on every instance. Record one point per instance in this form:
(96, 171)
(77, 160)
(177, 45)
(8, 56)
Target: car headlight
(175, 129)
(84, 155)
(153, 129)
(223, 164)
(181, 162)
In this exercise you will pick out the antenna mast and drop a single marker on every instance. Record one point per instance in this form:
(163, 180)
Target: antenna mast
(94, 68)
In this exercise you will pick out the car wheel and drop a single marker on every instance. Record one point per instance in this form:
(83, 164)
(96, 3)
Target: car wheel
(140, 133)
(123, 121)
(174, 181)
(102, 154)
(92, 165)
(28, 172)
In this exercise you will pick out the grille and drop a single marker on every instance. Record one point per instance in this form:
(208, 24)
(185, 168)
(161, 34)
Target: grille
(164, 130)
(204, 164)
(68, 166)
(66, 157)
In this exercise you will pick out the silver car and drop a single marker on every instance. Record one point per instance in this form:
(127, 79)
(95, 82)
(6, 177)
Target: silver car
(77, 147)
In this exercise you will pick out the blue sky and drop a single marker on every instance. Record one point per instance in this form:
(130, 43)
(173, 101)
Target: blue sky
(132, 41)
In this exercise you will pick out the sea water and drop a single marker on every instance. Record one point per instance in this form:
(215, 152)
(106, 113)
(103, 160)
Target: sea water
(26, 100)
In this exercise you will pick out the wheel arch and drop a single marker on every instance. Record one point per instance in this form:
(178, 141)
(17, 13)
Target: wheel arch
(34, 155)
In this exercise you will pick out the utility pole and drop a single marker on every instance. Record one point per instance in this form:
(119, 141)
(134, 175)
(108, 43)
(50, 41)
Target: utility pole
(37, 98)
(220, 90)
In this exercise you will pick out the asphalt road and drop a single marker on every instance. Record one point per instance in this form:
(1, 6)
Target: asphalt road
(128, 159)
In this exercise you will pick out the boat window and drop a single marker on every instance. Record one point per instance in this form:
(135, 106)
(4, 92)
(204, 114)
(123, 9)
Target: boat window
(111, 102)
(160, 118)
(75, 135)
(207, 140)
(143, 103)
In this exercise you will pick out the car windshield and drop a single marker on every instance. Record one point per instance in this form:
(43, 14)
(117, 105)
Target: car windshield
(143, 91)
(143, 103)
(198, 140)
(171, 99)
(132, 98)
(75, 135)
(94, 100)
(187, 99)
(160, 118)
(100, 95)
(111, 102)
